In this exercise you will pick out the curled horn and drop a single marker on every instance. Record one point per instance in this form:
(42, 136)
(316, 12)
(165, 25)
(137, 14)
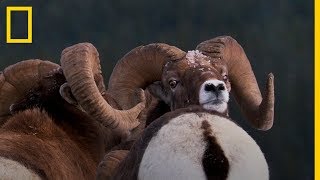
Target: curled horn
(258, 110)
(81, 67)
(139, 68)
(16, 80)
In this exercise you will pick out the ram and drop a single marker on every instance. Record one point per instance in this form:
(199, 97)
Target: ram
(202, 77)
(45, 132)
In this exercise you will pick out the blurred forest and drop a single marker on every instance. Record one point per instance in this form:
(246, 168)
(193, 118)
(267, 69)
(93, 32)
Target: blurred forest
(276, 35)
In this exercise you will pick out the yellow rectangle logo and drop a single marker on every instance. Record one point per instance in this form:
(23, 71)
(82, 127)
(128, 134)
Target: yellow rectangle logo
(28, 9)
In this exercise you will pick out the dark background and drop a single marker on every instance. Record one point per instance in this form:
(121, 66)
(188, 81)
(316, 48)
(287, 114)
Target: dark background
(276, 35)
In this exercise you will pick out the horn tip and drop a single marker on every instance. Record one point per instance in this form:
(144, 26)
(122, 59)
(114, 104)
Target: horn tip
(270, 76)
(80, 47)
(266, 127)
(270, 82)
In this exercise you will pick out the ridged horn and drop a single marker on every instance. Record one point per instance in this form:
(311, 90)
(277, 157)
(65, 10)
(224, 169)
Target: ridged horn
(18, 79)
(257, 109)
(139, 68)
(81, 67)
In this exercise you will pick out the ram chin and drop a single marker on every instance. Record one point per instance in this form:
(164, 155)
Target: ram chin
(220, 106)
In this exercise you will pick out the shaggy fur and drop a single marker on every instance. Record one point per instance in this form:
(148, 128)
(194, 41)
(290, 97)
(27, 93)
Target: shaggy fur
(52, 138)
(33, 139)
(110, 163)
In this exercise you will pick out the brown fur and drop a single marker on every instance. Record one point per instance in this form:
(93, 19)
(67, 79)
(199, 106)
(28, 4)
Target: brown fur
(55, 139)
(34, 139)
(110, 163)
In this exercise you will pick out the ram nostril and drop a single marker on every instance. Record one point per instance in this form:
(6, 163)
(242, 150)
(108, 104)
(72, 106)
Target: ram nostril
(213, 88)
(221, 87)
(210, 87)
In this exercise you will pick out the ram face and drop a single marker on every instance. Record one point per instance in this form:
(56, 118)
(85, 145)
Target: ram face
(193, 80)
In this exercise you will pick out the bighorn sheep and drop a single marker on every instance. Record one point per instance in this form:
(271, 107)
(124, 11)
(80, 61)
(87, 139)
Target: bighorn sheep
(42, 136)
(183, 83)
(49, 135)
(193, 143)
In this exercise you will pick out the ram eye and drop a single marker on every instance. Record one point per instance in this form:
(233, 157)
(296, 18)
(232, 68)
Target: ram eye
(173, 83)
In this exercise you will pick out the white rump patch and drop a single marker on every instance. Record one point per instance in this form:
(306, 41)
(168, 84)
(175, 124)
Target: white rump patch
(208, 99)
(176, 151)
(10, 169)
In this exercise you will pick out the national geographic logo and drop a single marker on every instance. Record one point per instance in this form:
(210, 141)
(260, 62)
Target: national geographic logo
(19, 9)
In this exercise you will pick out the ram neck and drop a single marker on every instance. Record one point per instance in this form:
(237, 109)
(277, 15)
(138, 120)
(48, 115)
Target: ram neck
(82, 129)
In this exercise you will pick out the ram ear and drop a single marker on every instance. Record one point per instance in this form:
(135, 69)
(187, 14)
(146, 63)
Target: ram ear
(158, 91)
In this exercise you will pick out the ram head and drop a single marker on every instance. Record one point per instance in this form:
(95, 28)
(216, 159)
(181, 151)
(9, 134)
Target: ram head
(203, 77)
